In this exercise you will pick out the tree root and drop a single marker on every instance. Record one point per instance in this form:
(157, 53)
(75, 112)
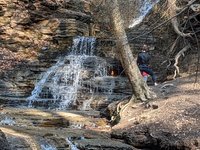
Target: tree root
(172, 11)
(176, 72)
(123, 105)
(167, 85)
(175, 25)
(116, 117)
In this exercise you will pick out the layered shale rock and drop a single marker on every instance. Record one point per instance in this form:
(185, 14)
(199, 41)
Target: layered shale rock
(3, 142)
(32, 35)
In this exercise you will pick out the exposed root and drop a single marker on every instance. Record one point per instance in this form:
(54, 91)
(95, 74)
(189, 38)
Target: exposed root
(122, 106)
(169, 64)
(176, 72)
(116, 116)
(172, 12)
(167, 61)
(167, 85)
(175, 25)
(195, 7)
(191, 2)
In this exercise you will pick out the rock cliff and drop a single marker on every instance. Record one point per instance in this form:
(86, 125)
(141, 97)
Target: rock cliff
(32, 35)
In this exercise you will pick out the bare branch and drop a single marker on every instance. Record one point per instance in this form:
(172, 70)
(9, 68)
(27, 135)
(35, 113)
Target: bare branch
(185, 7)
(173, 46)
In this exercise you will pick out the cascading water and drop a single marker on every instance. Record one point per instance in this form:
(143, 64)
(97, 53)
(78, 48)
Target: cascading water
(144, 7)
(72, 146)
(47, 147)
(68, 79)
(82, 77)
(7, 121)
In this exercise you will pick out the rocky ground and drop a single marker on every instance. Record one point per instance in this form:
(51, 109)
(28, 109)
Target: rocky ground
(172, 121)
(37, 129)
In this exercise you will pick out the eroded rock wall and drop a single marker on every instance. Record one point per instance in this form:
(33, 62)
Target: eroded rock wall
(35, 33)
(32, 35)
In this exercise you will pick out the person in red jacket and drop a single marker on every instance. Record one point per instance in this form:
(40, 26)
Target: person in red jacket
(143, 63)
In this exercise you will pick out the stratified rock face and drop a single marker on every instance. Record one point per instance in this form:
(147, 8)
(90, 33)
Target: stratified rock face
(29, 26)
(81, 79)
(3, 142)
(32, 35)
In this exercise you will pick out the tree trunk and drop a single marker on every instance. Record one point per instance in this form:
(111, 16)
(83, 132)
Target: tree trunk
(140, 89)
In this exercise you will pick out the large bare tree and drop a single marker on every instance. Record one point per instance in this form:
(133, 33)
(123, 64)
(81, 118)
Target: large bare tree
(140, 89)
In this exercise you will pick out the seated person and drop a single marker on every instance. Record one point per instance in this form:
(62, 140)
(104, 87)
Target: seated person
(143, 63)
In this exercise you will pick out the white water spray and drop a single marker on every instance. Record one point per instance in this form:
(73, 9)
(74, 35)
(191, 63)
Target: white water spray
(72, 146)
(145, 7)
(47, 147)
(62, 82)
(7, 121)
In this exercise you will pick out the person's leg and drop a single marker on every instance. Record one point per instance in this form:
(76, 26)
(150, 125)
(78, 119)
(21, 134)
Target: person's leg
(145, 78)
(150, 72)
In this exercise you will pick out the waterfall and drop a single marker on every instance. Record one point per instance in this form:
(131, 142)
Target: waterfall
(144, 7)
(66, 81)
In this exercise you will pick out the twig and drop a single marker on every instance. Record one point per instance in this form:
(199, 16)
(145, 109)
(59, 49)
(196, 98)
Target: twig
(169, 64)
(168, 84)
(163, 62)
(173, 46)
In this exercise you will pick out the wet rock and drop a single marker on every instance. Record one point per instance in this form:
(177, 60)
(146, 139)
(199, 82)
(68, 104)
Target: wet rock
(140, 137)
(28, 27)
(4, 145)
(6, 84)
(106, 144)
(55, 122)
(110, 111)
